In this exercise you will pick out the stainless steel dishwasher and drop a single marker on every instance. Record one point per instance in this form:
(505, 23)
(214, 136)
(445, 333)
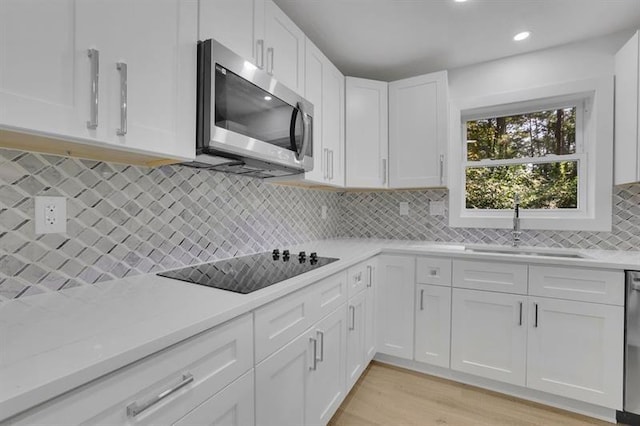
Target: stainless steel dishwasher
(631, 414)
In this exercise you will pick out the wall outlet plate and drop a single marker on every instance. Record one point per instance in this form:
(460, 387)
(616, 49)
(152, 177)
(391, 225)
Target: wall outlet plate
(436, 208)
(323, 212)
(51, 215)
(404, 208)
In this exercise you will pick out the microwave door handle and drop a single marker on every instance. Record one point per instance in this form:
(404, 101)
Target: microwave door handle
(306, 132)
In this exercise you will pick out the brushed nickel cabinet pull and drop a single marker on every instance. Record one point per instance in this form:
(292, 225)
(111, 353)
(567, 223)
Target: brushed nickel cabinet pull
(122, 67)
(135, 408)
(94, 56)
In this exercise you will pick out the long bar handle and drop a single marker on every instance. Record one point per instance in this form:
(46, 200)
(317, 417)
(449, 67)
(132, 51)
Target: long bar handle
(331, 152)
(384, 171)
(122, 67)
(270, 62)
(314, 366)
(94, 57)
(353, 317)
(441, 169)
(422, 299)
(326, 163)
(535, 322)
(370, 273)
(520, 319)
(320, 335)
(260, 47)
(134, 409)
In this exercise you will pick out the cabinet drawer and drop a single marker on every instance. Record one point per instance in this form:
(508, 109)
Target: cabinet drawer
(282, 320)
(214, 359)
(492, 276)
(581, 284)
(357, 278)
(433, 270)
(233, 406)
(331, 293)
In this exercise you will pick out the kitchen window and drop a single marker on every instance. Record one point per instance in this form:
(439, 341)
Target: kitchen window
(537, 155)
(552, 146)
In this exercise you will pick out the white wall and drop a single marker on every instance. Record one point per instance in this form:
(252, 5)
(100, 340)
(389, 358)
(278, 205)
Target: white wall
(574, 61)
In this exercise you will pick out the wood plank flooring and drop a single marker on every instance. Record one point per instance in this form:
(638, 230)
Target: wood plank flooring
(391, 396)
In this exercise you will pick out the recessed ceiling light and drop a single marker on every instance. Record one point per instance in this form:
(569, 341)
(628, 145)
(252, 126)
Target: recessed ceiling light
(460, 1)
(521, 36)
(267, 98)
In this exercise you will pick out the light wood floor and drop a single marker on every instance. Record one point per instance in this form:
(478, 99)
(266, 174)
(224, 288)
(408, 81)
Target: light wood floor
(391, 396)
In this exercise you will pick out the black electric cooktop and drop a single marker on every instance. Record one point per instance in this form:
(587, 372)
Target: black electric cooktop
(250, 273)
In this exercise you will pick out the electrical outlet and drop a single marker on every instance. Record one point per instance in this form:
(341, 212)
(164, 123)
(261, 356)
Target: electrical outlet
(404, 208)
(436, 208)
(323, 212)
(51, 215)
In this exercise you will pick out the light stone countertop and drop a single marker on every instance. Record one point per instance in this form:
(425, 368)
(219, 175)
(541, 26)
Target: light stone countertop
(51, 343)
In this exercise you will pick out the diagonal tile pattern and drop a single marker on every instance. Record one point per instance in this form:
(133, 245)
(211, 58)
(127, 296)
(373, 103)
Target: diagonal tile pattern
(126, 220)
(376, 215)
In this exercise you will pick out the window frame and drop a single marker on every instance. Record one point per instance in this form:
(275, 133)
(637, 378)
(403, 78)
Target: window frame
(593, 99)
(580, 156)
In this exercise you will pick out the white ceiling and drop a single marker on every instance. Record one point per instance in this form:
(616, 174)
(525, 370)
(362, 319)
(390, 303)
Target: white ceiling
(392, 39)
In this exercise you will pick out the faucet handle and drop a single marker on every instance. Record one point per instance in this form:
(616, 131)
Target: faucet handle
(516, 198)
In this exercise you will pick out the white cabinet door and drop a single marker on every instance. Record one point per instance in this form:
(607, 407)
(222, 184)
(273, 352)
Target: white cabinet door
(232, 406)
(355, 339)
(327, 383)
(366, 133)
(314, 69)
(41, 69)
(282, 383)
(370, 337)
(627, 116)
(237, 24)
(284, 48)
(489, 335)
(333, 123)
(160, 65)
(394, 317)
(418, 131)
(433, 325)
(575, 349)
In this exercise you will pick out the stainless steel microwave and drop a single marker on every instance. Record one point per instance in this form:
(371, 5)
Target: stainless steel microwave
(247, 121)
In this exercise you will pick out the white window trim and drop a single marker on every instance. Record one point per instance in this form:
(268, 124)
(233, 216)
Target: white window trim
(595, 156)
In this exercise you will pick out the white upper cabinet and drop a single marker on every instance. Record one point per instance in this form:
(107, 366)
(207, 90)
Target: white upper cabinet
(284, 48)
(41, 69)
(627, 116)
(418, 131)
(107, 83)
(237, 24)
(156, 71)
(324, 88)
(366, 133)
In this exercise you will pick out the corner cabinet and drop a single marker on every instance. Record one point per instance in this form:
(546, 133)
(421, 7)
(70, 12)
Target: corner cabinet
(418, 131)
(627, 116)
(395, 295)
(366, 133)
(106, 87)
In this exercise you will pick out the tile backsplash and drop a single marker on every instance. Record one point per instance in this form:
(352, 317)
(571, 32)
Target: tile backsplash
(376, 215)
(126, 220)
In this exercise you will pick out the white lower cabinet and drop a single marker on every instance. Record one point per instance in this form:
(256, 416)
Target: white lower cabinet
(575, 349)
(355, 338)
(394, 322)
(370, 338)
(232, 406)
(327, 388)
(489, 335)
(433, 325)
(303, 383)
(282, 383)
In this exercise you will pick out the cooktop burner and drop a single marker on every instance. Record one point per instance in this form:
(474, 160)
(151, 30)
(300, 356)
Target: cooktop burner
(250, 273)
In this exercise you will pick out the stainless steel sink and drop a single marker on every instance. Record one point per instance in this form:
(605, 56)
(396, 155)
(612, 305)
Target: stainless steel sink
(527, 252)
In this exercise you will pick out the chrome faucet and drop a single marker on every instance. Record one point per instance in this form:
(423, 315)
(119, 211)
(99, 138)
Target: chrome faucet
(515, 233)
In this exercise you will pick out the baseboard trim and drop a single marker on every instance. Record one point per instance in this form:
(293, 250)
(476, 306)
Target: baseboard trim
(595, 411)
